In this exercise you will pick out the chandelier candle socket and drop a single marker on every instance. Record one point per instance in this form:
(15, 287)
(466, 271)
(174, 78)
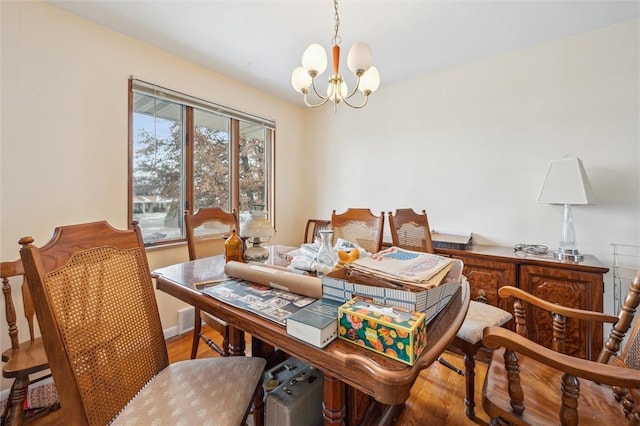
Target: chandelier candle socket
(314, 62)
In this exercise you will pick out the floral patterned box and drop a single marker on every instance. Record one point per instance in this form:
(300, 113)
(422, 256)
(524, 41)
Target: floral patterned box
(388, 330)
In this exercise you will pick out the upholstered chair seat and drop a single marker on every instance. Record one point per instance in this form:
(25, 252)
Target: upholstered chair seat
(210, 386)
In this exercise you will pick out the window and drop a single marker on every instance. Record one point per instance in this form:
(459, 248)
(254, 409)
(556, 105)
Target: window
(186, 153)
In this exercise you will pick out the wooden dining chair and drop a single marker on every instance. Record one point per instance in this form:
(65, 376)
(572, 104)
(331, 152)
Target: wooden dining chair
(25, 357)
(95, 303)
(206, 232)
(313, 228)
(527, 383)
(410, 231)
(359, 226)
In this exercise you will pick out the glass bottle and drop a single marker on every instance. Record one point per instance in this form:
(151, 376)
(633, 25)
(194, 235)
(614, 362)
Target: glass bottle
(233, 247)
(326, 257)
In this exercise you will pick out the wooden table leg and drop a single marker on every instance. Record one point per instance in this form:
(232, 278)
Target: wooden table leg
(236, 342)
(333, 408)
(268, 352)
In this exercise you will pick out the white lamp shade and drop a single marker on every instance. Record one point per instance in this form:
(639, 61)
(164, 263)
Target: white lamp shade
(300, 79)
(257, 226)
(360, 57)
(314, 58)
(566, 182)
(370, 80)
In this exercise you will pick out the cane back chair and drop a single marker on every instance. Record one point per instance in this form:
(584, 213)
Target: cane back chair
(95, 303)
(25, 358)
(313, 228)
(410, 230)
(527, 383)
(206, 232)
(359, 226)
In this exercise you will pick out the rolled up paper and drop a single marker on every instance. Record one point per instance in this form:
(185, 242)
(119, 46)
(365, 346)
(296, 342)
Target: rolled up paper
(276, 277)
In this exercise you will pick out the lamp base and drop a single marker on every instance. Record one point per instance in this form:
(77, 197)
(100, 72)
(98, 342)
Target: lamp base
(567, 249)
(568, 256)
(256, 254)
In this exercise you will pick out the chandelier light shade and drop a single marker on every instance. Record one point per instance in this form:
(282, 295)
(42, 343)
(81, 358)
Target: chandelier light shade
(314, 63)
(566, 183)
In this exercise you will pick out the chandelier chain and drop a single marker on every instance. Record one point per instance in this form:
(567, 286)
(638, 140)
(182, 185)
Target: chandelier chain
(336, 38)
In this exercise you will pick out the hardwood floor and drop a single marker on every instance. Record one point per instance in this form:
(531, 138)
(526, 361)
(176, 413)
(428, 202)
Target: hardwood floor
(437, 397)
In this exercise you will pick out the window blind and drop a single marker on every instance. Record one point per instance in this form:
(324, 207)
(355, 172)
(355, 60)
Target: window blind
(151, 89)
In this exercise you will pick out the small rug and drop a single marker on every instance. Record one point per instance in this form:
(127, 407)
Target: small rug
(39, 396)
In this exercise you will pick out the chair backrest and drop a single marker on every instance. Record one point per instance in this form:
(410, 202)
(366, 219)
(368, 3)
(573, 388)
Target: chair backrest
(630, 355)
(9, 270)
(410, 230)
(207, 229)
(359, 226)
(313, 228)
(95, 303)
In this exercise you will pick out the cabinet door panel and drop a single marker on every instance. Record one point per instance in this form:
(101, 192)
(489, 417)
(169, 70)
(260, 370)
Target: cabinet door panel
(489, 276)
(569, 288)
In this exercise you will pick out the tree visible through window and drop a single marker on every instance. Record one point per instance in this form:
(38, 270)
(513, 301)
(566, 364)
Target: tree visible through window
(182, 158)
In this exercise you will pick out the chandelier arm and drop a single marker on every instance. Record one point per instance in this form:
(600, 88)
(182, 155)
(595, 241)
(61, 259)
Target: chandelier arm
(355, 89)
(310, 105)
(315, 90)
(366, 99)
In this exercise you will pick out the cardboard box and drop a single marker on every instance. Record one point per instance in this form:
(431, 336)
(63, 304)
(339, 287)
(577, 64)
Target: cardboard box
(335, 286)
(387, 330)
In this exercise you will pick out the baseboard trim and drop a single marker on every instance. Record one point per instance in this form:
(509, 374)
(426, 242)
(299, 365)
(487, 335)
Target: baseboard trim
(170, 332)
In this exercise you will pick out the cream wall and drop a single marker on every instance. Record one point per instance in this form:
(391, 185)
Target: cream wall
(64, 131)
(471, 144)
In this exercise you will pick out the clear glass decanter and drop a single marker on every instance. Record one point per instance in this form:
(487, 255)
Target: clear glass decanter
(326, 257)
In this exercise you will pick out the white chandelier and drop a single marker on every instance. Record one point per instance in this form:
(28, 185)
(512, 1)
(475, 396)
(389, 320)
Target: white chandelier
(314, 62)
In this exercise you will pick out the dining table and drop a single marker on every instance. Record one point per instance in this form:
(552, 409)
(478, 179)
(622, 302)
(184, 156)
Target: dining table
(360, 386)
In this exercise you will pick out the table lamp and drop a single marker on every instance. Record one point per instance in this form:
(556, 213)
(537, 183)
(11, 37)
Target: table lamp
(566, 183)
(257, 230)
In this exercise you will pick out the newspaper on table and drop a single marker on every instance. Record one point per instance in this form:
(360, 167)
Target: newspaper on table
(404, 267)
(270, 303)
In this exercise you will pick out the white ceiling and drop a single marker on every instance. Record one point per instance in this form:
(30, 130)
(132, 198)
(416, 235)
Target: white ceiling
(259, 42)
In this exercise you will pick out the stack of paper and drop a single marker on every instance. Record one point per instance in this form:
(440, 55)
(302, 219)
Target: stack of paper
(403, 268)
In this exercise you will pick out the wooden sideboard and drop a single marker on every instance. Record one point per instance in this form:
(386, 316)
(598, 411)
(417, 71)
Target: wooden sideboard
(577, 285)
